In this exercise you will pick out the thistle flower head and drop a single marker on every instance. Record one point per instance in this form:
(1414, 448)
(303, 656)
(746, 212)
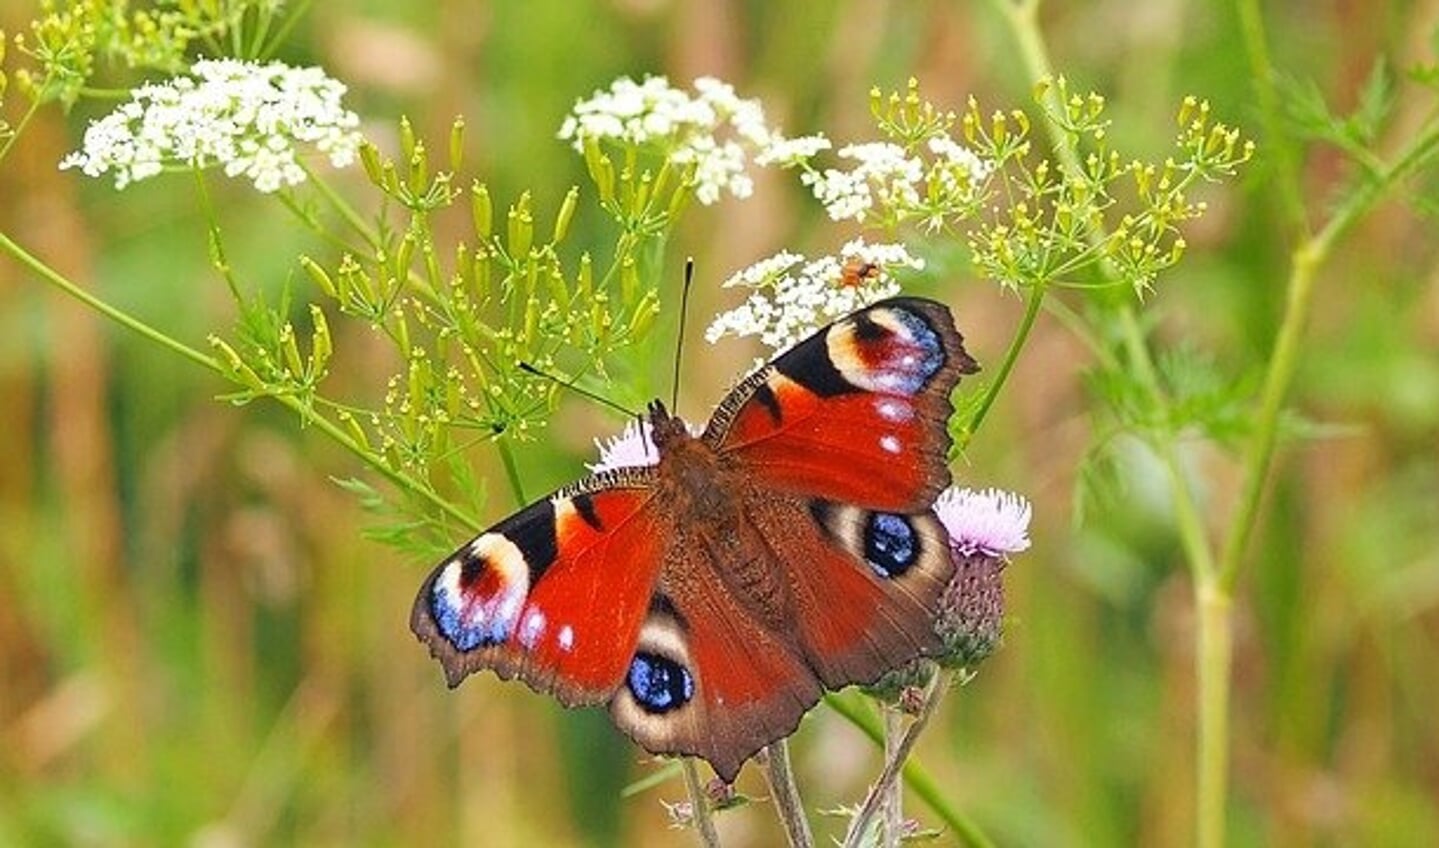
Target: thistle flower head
(985, 526)
(791, 297)
(248, 118)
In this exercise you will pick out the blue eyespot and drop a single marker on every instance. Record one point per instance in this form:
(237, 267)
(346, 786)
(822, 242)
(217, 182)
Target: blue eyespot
(467, 626)
(659, 684)
(890, 544)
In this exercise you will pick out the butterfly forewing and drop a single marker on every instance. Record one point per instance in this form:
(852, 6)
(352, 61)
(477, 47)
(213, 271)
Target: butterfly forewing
(856, 413)
(556, 594)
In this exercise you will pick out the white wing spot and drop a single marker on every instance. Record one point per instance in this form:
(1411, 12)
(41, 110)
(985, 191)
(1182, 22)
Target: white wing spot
(893, 410)
(532, 628)
(889, 443)
(567, 638)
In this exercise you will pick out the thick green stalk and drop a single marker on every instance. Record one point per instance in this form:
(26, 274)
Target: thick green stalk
(1284, 360)
(1212, 663)
(1213, 635)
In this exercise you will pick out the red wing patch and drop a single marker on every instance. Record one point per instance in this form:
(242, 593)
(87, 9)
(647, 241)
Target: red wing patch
(555, 595)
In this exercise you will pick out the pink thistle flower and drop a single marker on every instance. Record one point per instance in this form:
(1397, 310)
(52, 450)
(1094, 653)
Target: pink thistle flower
(988, 521)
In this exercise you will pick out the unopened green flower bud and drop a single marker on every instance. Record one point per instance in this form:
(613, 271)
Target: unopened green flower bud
(457, 143)
(566, 214)
(482, 214)
(319, 275)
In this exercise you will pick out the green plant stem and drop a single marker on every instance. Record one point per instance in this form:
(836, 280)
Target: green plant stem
(895, 760)
(512, 470)
(342, 207)
(294, 13)
(1032, 303)
(1023, 18)
(894, 793)
(19, 128)
(1251, 28)
(916, 776)
(124, 319)
(1213, 635)
(1283, 362)
(780, 776)
(699, 804)
(1212, 662)
(400, 479)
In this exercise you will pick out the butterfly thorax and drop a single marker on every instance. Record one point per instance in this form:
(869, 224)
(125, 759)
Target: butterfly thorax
(689, 472)
(714, 528)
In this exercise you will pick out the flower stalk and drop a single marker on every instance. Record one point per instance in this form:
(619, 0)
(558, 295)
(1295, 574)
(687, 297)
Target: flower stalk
(780, 777)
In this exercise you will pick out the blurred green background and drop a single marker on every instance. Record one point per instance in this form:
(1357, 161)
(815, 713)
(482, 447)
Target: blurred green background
(197, 646)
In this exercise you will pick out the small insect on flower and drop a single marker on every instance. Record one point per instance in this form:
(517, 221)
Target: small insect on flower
(857, 272)
(248, 118)
(787, 302)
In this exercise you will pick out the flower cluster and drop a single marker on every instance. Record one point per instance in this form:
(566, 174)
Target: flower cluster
(245, 117)
(791, 298)
(711, 128)
(890, 179)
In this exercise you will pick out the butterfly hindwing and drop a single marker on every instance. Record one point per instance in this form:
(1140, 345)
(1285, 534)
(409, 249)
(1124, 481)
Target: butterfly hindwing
(856, 413)
(708, 679)
(555, 594)
(868, 585)
(719, 673)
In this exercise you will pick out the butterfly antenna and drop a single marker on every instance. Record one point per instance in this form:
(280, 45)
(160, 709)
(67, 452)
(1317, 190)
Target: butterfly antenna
(680, 341)
(571, 385)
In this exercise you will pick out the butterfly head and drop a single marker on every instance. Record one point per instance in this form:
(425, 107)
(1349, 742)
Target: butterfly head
(666, 429)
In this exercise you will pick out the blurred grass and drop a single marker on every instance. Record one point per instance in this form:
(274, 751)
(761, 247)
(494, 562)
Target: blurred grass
(197, 646)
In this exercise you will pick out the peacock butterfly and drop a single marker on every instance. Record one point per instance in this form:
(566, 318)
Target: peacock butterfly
(708, 599)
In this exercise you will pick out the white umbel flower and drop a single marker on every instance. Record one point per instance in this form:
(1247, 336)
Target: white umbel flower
(710, 127)
(886, 179)
(883, 174)
(250, 119)
(790, 300)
